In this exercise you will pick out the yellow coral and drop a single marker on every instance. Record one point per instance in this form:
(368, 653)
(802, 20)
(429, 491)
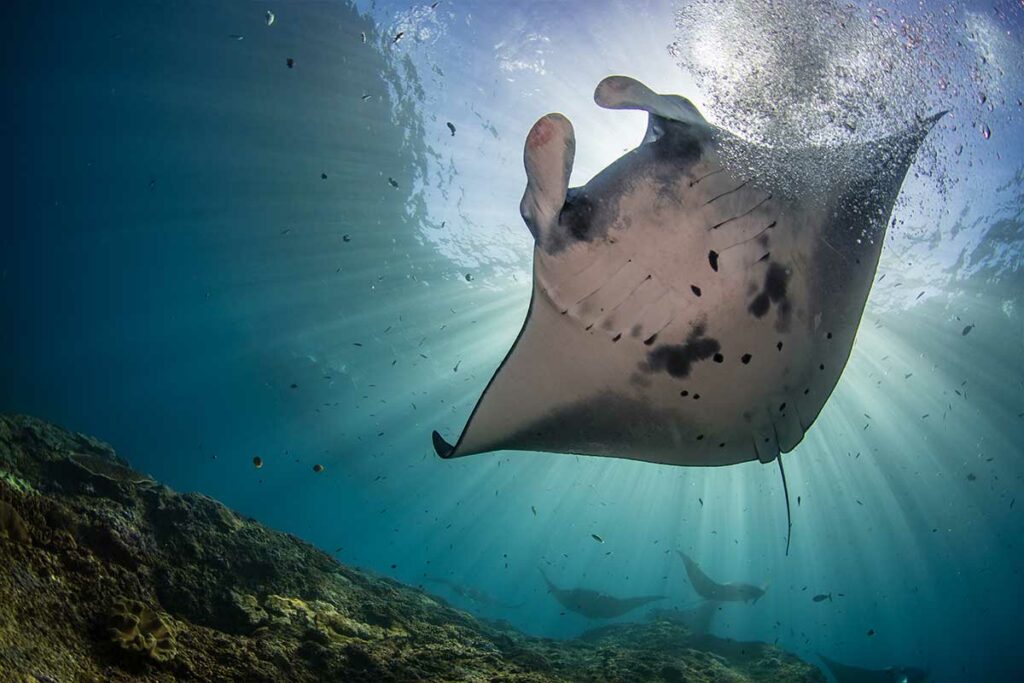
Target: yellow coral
(138, 628)
(12, 526)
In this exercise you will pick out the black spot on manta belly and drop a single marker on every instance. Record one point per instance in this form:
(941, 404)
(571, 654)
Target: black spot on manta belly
(776, 282)
(678, 359)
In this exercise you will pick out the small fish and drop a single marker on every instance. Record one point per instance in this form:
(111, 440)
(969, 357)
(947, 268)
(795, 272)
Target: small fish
(270, 18)
(235, 36)
(798, 500)
(597, 538)
(469, 277)
(534, 509)
(971, 477)
(366, 97)
(967, 330)
(451, 127)
(362, 34)
(346, 238)
(871, 632)
(919, 296)
(323, 176)
(456, 368)
(821, 597)
(294, 386)
(701, 501)
(392, 182)
(318, 468)
(398, 37)
(257, 462)
(290, 62)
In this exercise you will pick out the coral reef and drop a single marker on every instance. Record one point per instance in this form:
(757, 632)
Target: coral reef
(110, 576)
(137, 628)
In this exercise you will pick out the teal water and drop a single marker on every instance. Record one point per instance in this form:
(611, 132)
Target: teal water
(177, 278)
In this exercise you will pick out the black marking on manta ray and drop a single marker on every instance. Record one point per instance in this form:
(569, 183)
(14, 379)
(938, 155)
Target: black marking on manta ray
(751, 239)
(576, 214)
(713, 260)
(706, 175)
(745, 213)
(678, 359)
(725, 194)
(774, 291)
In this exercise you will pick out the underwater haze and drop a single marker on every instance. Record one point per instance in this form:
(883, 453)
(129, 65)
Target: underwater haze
(300, 241)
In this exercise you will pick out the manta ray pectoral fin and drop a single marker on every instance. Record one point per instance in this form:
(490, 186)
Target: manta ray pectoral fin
(623, 92)
(548, 156)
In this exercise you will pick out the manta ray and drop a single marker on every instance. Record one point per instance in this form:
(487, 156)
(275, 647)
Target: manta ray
(844, 673)
(475, 594)
(684, 311)
(719, 592)
(595, 605)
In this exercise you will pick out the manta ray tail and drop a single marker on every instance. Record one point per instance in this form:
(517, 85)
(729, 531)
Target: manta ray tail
(789, 513)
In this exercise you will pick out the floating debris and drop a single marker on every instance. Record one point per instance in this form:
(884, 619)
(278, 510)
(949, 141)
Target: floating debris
(257, 462)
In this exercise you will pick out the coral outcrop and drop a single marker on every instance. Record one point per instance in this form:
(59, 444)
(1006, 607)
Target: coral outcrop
(110, 576)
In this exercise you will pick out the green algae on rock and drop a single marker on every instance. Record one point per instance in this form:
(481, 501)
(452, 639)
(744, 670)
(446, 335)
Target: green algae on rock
(201, 593)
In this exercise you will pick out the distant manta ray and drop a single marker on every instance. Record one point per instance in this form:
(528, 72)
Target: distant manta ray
(475, 594)
(844, 673)
(595, 605)
(719, 592)
(683, 313)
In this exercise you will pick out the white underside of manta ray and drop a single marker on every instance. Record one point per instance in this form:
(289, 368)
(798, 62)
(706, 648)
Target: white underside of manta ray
(682, 313)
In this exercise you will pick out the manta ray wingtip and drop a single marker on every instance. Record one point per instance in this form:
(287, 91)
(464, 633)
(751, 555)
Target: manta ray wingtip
(442, 447)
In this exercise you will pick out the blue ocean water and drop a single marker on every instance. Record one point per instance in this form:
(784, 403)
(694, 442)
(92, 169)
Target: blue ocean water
(210, 255)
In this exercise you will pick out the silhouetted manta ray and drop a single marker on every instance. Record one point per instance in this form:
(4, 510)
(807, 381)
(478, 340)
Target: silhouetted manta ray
(681, 313)
(845, 673)
(475, 594)
(595, 605)
(719, 592)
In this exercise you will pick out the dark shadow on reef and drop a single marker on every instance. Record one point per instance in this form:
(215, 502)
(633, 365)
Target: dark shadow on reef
(107, 575)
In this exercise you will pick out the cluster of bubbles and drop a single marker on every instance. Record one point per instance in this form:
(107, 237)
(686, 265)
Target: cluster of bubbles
(788, 74)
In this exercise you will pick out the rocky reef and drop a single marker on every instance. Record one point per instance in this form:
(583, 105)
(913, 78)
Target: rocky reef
(107, 575)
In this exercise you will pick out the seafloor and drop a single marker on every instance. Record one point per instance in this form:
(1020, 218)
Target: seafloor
(107, 575)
